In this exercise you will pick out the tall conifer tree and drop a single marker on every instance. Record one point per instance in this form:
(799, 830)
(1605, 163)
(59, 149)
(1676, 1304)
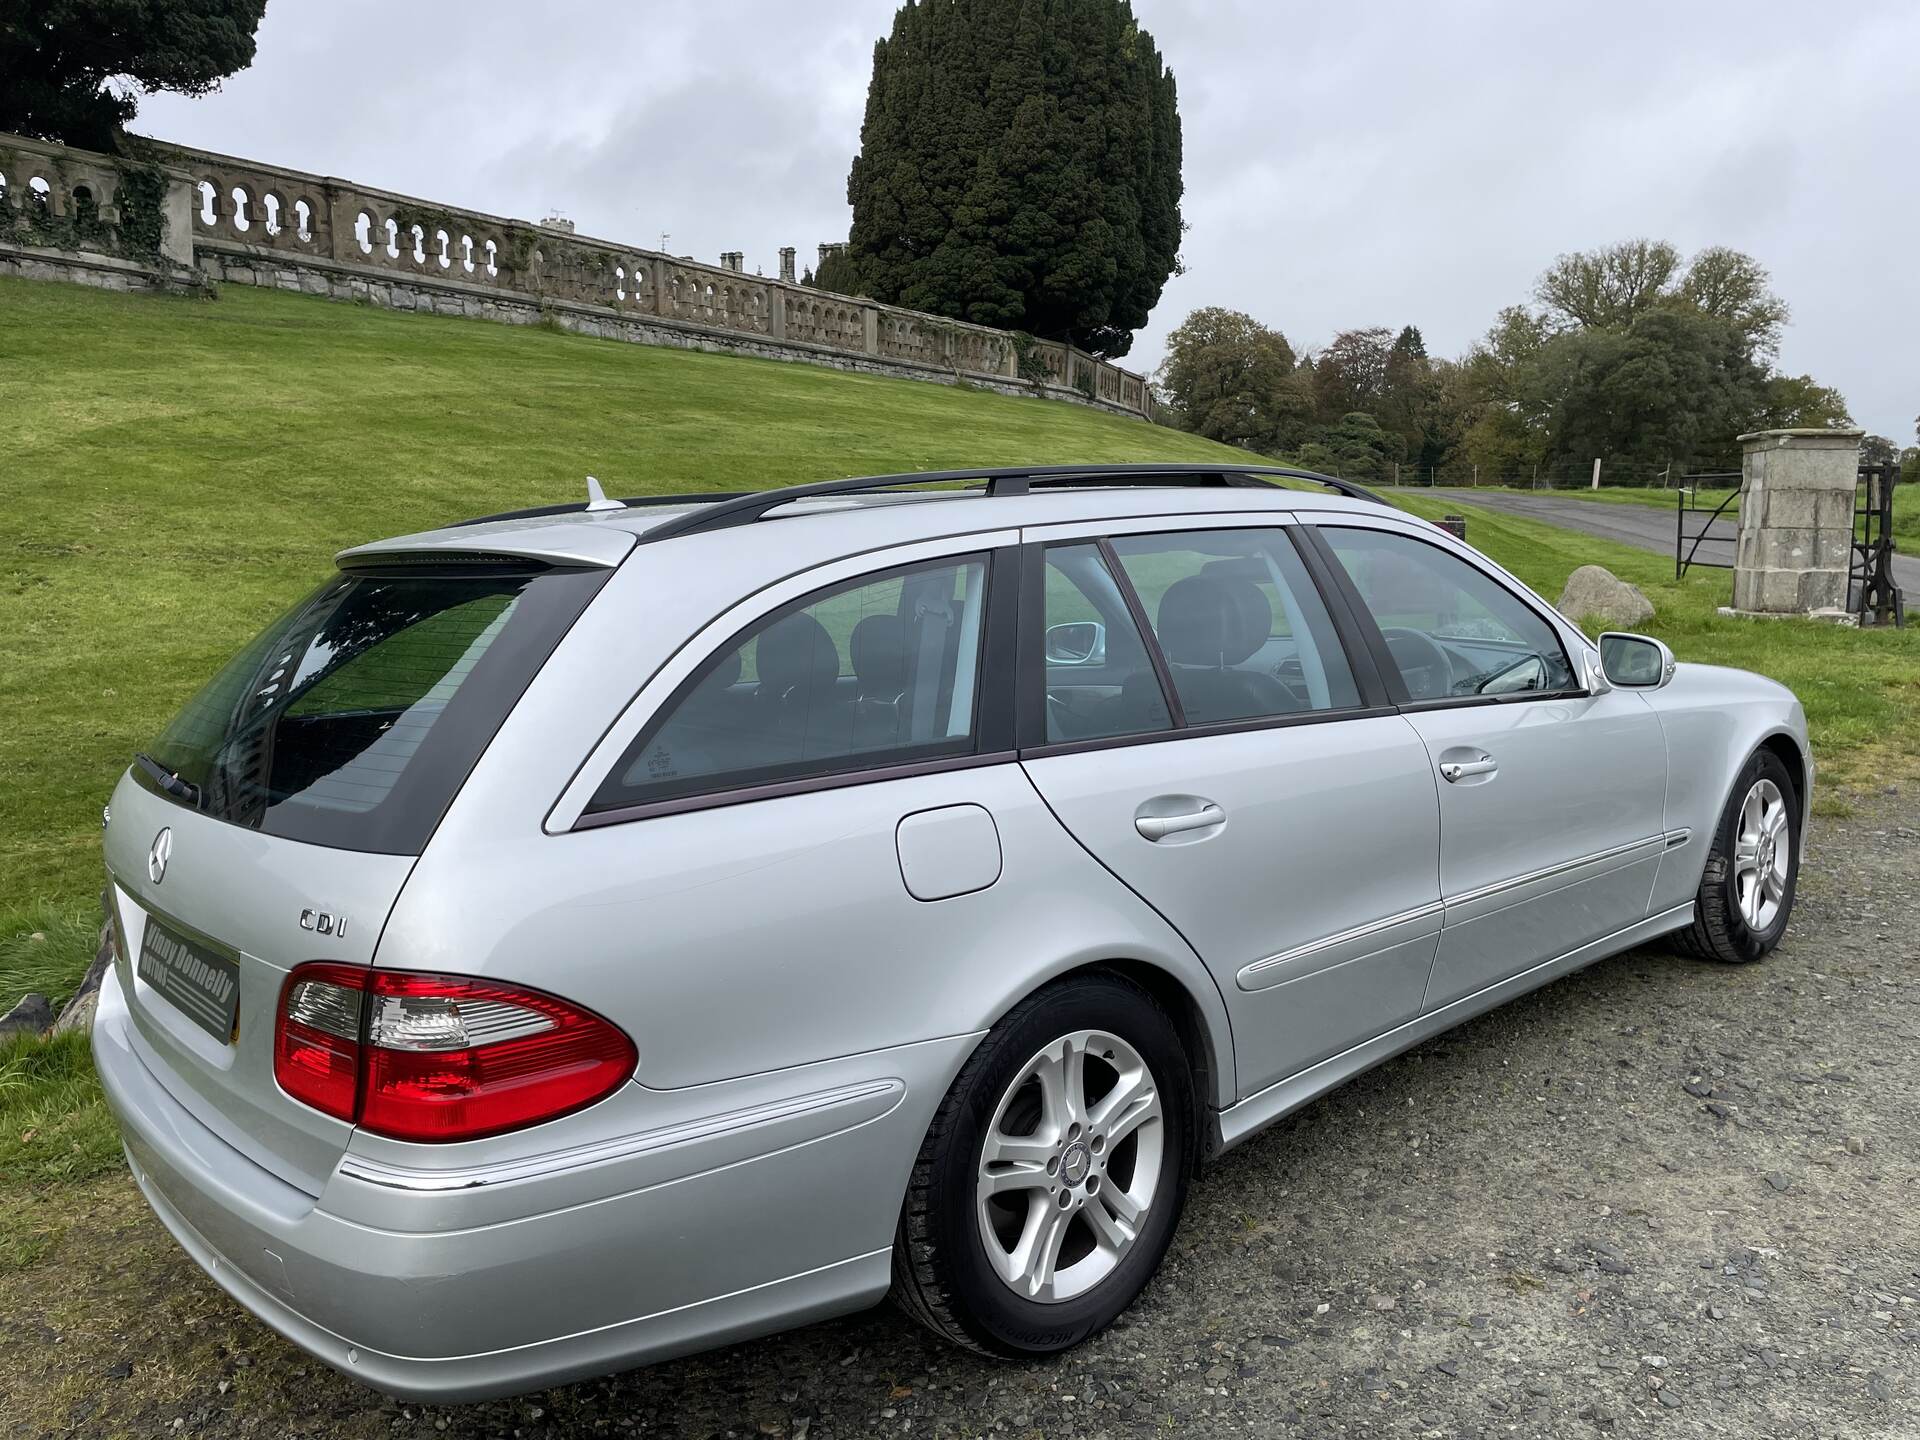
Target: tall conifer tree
(1020, 166)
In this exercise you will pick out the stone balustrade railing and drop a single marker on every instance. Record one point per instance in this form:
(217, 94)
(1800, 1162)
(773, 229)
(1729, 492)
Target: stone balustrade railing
(242, 222)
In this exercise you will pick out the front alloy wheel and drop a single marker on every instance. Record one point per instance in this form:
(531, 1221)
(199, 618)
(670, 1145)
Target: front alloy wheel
(1051, 1178)
(1753, 862)
(1762, 856)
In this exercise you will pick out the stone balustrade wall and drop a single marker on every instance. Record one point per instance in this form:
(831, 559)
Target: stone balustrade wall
(240, 222)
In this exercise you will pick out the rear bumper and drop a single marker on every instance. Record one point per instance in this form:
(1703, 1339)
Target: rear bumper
(496, 1284)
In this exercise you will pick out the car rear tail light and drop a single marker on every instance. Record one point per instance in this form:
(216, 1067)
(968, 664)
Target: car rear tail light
(439, 1057)
(316, 1039)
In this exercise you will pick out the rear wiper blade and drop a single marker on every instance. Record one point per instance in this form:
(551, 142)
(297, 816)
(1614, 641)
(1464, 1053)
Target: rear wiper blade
(167, 780)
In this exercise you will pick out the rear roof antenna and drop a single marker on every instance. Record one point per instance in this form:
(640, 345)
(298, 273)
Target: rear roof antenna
(597, 498)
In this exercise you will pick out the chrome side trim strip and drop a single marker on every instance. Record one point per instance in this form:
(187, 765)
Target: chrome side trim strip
(1249, 977)
(1261, 1109)
(1258, 975)
(626, 1147)
(1550, 871)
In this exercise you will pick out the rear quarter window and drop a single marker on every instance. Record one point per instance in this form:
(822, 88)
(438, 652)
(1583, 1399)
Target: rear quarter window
(353, 719)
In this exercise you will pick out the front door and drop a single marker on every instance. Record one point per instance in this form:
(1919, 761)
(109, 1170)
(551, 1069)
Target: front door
(1208, 738)
(1551, 797)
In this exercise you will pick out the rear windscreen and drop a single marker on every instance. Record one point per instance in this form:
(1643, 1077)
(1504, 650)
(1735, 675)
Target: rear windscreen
(353, 719)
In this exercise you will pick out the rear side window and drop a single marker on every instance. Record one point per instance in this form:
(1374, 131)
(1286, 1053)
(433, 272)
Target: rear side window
(882, 671)
(1100, 678)
(1240, 622)
(353, 719)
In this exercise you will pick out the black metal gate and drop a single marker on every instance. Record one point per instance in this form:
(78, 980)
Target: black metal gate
(1687, 543)
(1871, 594)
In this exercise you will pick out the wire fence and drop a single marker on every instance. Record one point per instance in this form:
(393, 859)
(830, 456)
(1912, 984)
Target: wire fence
(1461, 475)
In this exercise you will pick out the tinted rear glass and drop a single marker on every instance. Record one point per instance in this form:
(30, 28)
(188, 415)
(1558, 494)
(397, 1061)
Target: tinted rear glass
(353, 719)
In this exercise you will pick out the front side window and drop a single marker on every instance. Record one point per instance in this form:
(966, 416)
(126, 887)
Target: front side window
(881, 671)
(1453, 630)
(1241, 625)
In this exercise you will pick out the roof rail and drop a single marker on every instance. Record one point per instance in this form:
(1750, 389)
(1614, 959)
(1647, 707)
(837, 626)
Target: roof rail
(744, 509)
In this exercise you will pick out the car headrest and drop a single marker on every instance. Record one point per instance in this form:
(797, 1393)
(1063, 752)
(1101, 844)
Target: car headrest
(878, 649)
(724, 675)
(796, 652)
(1215, 621)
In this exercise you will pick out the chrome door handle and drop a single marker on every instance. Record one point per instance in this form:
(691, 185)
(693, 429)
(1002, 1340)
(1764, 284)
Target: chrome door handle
(1452, 770)
(1158, 827)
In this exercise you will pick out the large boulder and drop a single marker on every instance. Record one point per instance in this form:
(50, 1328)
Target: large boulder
(32, 1016)
(1595, 593)
(77, 1013)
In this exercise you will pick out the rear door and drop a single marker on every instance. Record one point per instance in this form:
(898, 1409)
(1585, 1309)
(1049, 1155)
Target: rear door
(276, 819)
(1232, 760)
(1551, 797)
(814, 808)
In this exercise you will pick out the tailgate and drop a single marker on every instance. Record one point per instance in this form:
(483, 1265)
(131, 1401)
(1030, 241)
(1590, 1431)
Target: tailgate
(228, 907)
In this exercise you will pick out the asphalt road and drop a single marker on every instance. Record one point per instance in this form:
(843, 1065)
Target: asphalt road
(1639, 525)
(1658, 1198)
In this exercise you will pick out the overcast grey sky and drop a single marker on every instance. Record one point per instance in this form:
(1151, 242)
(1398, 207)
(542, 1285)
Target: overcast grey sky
(1345, 164)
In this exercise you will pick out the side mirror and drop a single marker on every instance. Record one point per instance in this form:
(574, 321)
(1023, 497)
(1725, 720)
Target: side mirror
(1635, 662)
(1077, 642)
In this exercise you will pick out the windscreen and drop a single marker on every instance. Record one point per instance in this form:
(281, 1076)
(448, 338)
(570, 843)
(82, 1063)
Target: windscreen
(353, 719)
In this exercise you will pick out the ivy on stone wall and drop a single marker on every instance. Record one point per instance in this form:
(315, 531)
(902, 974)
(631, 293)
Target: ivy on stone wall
(143, 219)
(943, 341)
(515, 254)
(27, 219)
(1027, 363)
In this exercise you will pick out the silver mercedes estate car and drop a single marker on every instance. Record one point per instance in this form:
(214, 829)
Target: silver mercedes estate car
(582, 936)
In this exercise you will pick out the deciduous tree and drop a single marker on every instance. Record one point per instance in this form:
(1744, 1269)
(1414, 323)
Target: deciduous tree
(1225, 375)
(1351, 373)
(1608, 287)
(1878, 450)
(1509, 402)
(1674, 388)
(1731, 286)
(1797, 402)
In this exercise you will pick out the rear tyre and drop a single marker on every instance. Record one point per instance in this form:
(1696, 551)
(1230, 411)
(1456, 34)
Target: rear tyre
(1746, 892)
(1049, 1184)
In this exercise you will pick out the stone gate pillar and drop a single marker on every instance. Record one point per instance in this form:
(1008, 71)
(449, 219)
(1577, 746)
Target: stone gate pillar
(1796, 521)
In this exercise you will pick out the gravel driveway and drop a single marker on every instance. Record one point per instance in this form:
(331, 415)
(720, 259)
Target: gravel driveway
(1656, 1198)
(1641, 526)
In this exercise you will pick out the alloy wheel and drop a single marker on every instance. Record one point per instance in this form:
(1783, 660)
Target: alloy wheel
(1762, 856)
(1069, 1166)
